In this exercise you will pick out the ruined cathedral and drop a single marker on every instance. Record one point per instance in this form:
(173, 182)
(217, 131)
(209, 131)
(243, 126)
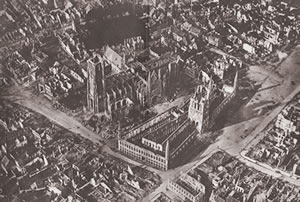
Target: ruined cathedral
(114, 86)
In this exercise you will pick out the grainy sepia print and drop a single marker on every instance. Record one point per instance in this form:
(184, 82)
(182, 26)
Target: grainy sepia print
(149, 101)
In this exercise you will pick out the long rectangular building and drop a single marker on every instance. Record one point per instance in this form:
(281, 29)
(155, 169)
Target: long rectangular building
(159, 141)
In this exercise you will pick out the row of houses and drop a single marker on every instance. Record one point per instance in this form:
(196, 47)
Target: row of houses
(280, 140)
(37, 162)
(222, 178)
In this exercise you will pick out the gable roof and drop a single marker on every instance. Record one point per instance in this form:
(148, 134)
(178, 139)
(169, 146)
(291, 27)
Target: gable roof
(112, 56)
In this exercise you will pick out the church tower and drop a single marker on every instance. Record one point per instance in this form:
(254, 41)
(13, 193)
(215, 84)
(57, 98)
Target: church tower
(96, 93)
(199, 105)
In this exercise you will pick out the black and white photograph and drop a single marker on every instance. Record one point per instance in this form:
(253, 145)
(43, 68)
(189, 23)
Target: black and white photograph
(149, 100)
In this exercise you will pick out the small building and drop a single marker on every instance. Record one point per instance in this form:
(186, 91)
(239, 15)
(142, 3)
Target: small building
(213, 38)
(187, 188)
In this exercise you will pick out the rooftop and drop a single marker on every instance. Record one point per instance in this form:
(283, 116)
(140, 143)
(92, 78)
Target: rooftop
(182, 135)
(187, 187)
(86, 190)
(158, 120)
(161, 134)
(156, 63)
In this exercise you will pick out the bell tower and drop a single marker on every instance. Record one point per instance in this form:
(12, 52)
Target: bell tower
(199, 105)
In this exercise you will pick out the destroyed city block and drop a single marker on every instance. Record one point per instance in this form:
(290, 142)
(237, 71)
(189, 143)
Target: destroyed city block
(149, 100)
